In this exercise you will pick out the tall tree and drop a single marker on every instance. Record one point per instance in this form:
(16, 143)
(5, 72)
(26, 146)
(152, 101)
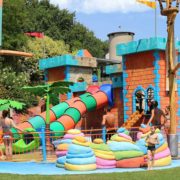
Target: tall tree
(63, 34)
(33, 15)
(82, 38)
(41, 48)
(15, 18)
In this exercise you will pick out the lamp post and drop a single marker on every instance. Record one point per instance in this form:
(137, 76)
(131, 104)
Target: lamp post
(171, 10)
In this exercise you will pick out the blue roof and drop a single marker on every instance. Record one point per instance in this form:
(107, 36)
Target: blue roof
(57, 61)
(155, 43)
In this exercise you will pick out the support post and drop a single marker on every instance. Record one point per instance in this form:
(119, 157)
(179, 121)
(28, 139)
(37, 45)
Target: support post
(49, 146)
(104, 133)
(43, 140)
(99, 74)
(171, 13)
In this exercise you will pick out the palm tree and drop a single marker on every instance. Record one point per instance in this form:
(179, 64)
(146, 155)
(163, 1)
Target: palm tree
(50, 93)
(6, 104)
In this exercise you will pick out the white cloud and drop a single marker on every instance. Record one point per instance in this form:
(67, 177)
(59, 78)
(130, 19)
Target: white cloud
(101, 6)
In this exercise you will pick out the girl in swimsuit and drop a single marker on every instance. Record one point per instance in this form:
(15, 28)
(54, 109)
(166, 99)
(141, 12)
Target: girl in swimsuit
(6, 124)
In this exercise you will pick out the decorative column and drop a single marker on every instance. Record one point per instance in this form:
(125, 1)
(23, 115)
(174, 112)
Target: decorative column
(171, 13)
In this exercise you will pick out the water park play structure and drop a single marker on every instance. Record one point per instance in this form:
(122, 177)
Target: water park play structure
(76, 154)
(63, 116)
(134, 84)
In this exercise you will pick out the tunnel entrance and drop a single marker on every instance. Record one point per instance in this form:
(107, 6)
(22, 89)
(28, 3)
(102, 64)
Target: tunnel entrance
(28, 138)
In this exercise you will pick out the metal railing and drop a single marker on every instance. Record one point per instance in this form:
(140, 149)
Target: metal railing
(32, 145)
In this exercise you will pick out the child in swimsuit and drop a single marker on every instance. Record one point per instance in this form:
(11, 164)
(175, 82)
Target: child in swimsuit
(151, 140)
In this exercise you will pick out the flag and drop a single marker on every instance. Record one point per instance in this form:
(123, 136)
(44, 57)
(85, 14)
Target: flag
(151, 4)
(35, 34)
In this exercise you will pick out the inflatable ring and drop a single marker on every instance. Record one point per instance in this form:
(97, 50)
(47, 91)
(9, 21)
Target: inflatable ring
(65, 141)
(103, 152)
(84, 167)
(161, 148)
(98, 141)
(61, 153)
(72, 136)
(63, 147)
(81, 161)
(61, 160)
(105, 156)
(59, 165)
(73, 131)
(127, 154)
(123, 146)
(103, 147)
(84, 155)
(76, 149)
(81, 143)
(125, 136)
(130, 163)
(120, 139)
(163, 162)
(80, 139)
(105, 167)
(104, 162)
(162, 154)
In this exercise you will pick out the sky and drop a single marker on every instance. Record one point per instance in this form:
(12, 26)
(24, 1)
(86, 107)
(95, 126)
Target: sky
(106, 16)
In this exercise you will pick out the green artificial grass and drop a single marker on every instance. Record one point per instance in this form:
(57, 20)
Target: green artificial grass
(169, 174)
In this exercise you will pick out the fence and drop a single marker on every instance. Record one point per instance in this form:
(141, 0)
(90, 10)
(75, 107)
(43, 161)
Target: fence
(34, 145)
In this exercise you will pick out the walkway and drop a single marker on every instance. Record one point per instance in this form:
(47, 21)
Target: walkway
(51, 169)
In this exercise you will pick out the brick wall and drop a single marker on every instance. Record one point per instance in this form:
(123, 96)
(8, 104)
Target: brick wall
(164, 95)
(146, 69)
(164, 98)
(139, 69)
(118, 107)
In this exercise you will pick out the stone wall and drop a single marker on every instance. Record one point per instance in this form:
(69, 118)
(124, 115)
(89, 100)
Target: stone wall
(76, 72)
(87, 61)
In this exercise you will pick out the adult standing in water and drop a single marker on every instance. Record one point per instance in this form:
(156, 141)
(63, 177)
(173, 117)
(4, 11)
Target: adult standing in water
(6, 124)
(156, 115)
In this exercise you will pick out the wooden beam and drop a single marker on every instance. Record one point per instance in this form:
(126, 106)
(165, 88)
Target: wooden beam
(176, 68)
(15, 53)
(161, 5)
